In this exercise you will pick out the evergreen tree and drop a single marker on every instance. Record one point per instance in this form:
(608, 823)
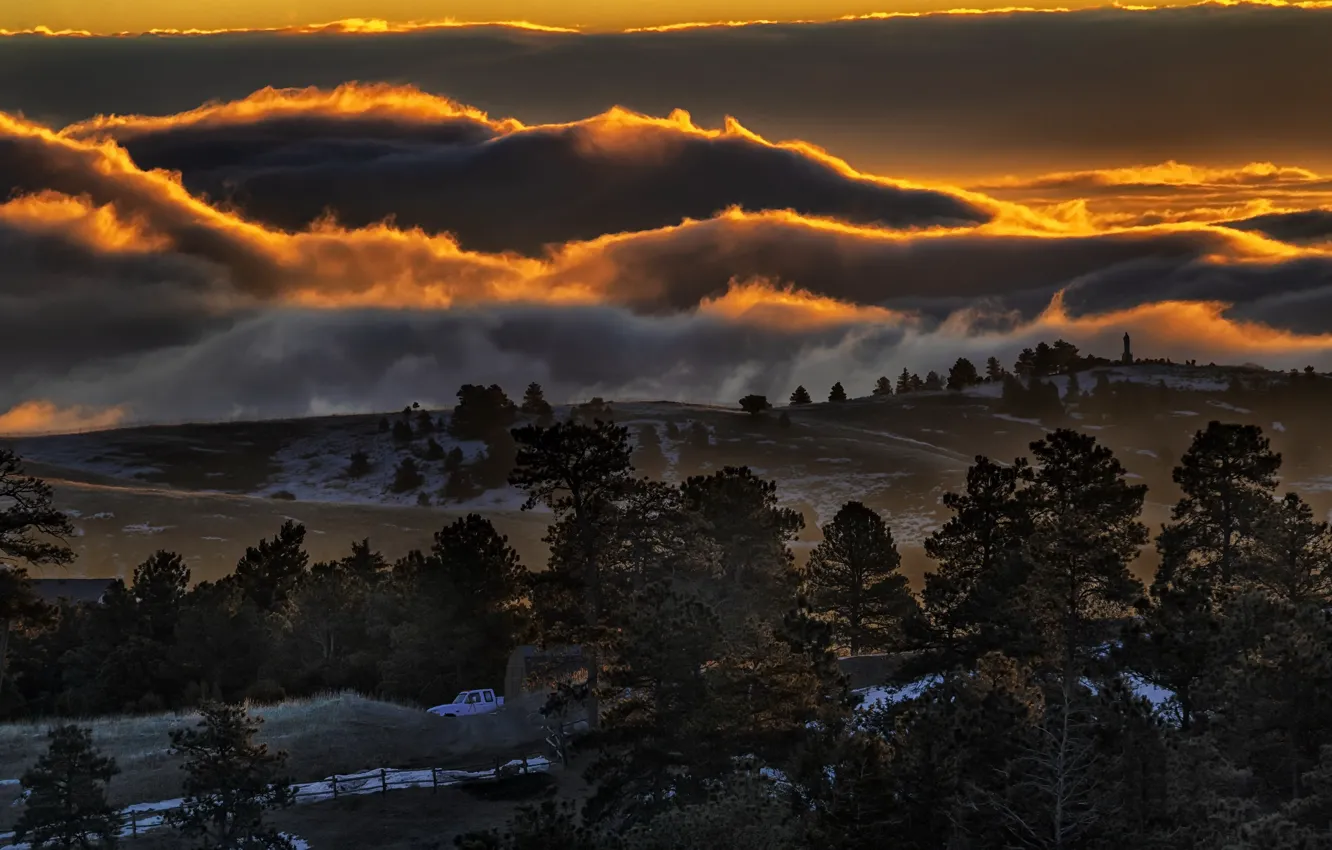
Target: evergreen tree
(159, 588)
(971, 601)
(933, 382)
(917, 384)
(755, 405)
(453, 461)
(743, 518)
(648, 458)
(837, 393)
(406, 476)
(962, 375)
(358, 465)
(457, 614)
(480, 412)
(904, 384)
(66, 803)
(434, 451)
(800, 396)
(1227, 477)
(579, 472)
(402, 431)
(425, 423)
(1295, 563)
(534, 402)
(1085, 532)
(230, 783)
(994, 371)
(883, 386)
(31, 531)
(268, 573)
(854, 580)
(383, 425)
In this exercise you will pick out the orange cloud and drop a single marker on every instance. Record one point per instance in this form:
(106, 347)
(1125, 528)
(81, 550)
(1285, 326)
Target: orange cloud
(1185, 325)
(790, 308)
(44, 417)
(345, 26)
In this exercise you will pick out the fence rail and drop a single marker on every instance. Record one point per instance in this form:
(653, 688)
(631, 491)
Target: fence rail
(144, 817)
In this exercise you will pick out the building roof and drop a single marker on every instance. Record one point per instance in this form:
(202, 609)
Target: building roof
(71, 589)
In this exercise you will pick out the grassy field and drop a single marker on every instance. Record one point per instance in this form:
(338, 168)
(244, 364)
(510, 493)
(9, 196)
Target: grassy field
(342, 733)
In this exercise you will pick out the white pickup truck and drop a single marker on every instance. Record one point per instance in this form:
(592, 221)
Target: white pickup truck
(468, 703)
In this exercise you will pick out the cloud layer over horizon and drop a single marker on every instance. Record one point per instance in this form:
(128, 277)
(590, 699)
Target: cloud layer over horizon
(130, 296)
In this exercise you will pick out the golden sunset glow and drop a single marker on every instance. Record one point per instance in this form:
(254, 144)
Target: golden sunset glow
(44, 417)
(87, 18)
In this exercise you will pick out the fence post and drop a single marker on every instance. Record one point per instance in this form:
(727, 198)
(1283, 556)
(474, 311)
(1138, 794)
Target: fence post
(334, 780)
(383, 780)
(134, 822)
(524, 764)
(434, 779)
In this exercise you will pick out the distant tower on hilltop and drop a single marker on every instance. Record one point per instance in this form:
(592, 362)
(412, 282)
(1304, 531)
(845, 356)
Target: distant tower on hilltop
(1127, 359)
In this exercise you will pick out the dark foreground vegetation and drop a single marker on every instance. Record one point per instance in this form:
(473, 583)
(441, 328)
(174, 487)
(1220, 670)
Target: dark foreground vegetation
(718, 713)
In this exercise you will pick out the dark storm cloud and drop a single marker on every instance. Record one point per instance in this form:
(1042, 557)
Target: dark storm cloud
(499, 189)
(1296, 227)
(956, 95)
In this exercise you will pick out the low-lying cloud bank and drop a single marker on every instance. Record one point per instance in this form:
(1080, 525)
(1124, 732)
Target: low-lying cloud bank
(130, 296)
(366, 153)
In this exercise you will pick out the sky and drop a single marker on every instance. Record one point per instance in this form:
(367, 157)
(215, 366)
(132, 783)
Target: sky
(259, 224)
(116, 16)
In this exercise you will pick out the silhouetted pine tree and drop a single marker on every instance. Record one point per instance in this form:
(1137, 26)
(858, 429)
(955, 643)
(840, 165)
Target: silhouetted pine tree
(231, 782)
(65, 790)
(837, 393)
(883, 386)
(800, 396)
(854, 580)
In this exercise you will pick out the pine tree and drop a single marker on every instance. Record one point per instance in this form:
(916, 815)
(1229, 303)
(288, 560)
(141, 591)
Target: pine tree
(743, 518)
(383, 426)
(800, 396)
(1228, 477)
(159, 588)
(917, 384)
(883, 386)
(837, 393)
(31, 531)
(755, 405)
(1085, 533)
(994, 370)
(66, 803)
(358, 465)
(904, 384)
(230, 783)
(480, 412)
(458, 613)
(453, 461)
(933, 382)
(1295, 563)
(971, 602)
(579, 472)
(648, 458)
(407, 476)
(425, 423)
(402, 431)
(534, 402)
(962, 375)
(269, 572)
(434, 451)
(854, 580)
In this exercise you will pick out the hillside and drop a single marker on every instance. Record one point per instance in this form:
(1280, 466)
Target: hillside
(209, 490)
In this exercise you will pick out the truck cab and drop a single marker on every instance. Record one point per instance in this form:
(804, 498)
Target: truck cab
(467, 703)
